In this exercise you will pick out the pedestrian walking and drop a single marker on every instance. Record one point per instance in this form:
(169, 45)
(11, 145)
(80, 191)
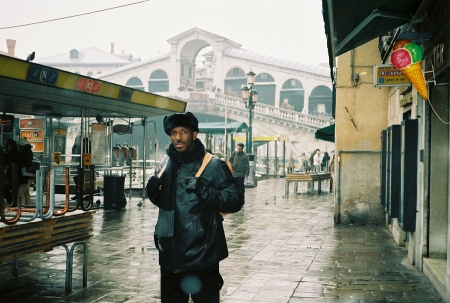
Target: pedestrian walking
(241, 167)
(317, 162)
(303, 162)
(25, 160)
(325, 161)
(311, 161)
(189, 234)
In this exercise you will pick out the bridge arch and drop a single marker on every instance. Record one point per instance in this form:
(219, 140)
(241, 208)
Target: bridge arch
(266, 87)
(234, 78)
(320, 101)
(292, 95)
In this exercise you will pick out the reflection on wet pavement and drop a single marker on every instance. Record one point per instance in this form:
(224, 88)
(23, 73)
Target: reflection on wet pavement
(282, 249)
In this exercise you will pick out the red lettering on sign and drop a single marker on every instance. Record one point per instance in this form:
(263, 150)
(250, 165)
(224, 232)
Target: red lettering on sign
(88, 85)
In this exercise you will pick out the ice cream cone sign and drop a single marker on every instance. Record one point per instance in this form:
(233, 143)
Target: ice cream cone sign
(407, 57)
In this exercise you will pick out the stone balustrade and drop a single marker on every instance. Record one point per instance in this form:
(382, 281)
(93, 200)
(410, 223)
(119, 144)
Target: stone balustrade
(272, 113)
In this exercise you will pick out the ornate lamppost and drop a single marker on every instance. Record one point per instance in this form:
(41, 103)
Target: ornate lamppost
(250, 97)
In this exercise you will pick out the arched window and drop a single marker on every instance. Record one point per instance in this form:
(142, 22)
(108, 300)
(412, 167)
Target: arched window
(292, 83)
(264, 77)
(292, 95)
(158, 82)
(135, 83)
(266, 88)
(234, 79)
(320, 101)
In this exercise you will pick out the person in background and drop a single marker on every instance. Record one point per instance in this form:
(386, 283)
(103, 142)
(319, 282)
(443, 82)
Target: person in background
(25, 160)
(311, 162)
(317, 159)
(189, 234)
(11, 159)
(241, 167)
(325, 161)
(303, 162)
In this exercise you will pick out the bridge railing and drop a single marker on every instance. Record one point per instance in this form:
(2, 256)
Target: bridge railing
(272, 113)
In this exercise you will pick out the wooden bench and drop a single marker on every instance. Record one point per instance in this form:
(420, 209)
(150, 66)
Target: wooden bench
(24, 238)
(302, 177)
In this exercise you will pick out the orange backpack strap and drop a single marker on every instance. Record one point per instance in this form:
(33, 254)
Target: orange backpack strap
(205, 162)
(162, 169)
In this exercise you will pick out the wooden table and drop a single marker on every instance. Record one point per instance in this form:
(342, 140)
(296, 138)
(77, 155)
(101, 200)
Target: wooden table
(302, 177)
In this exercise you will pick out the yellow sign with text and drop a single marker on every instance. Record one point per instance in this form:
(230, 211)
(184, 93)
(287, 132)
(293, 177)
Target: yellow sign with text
(388, 75)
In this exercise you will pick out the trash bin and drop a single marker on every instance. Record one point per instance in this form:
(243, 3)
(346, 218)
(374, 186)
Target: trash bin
(113, 196)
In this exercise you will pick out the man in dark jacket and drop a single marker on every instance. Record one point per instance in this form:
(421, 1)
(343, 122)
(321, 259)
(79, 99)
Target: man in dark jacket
(189, 233)
(240, 164)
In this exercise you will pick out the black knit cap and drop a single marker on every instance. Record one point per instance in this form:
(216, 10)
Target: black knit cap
(186, 119)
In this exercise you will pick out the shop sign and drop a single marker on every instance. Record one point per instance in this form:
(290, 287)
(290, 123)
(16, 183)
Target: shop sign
(8, 122)
(31, 123)
(42, 75)
(435, 59)
(32, 134)
(388, 75)
(88, 85)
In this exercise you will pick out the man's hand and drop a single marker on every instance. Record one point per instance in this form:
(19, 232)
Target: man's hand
(193, 185)
(153, 185)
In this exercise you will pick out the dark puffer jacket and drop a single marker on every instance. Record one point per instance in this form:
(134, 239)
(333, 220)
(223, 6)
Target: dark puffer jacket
(189, 233)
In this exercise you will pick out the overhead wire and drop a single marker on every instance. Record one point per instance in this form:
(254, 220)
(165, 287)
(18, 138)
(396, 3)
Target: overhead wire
(73, 16)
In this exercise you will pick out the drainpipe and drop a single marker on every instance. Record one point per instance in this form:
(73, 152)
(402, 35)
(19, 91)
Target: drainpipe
(337, 217)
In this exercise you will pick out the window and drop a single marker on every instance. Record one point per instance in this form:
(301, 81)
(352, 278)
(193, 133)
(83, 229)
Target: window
(182, 70)
(190, 72)
(159, 74)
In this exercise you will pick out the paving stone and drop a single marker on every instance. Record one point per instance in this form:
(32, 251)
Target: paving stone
(282, 249)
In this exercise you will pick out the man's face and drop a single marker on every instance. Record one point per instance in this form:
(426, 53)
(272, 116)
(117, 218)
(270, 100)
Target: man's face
(240, 149)
(183, 138)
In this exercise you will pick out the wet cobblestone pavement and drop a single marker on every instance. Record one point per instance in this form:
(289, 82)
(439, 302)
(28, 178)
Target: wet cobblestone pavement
(282, 249)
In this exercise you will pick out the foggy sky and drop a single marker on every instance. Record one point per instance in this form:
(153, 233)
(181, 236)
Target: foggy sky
(289, 29)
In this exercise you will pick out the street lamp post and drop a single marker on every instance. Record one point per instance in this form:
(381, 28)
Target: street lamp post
(250, 97)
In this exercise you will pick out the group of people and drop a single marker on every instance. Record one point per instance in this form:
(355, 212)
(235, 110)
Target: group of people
(315, 163)
(17, 185)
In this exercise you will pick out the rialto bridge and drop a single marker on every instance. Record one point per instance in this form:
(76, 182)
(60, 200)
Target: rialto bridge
(293, 97)
(207, 71)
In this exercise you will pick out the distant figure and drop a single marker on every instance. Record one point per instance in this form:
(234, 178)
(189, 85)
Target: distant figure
(25, 160)
(311, 161)
(317, 159)
(240, 164)
(11, 159)
(303, 162)
(325, 161)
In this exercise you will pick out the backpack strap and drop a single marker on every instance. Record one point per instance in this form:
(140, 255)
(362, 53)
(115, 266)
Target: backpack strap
(205, 162)
(162, 169)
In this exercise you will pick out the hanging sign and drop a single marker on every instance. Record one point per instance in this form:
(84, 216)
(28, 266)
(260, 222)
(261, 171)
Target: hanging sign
(388, 75)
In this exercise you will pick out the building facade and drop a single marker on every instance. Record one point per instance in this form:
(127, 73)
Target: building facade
(392, 146)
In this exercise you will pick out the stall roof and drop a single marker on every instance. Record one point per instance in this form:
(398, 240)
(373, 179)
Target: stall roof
(219, 127)
(326, 133)
(33, 89)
